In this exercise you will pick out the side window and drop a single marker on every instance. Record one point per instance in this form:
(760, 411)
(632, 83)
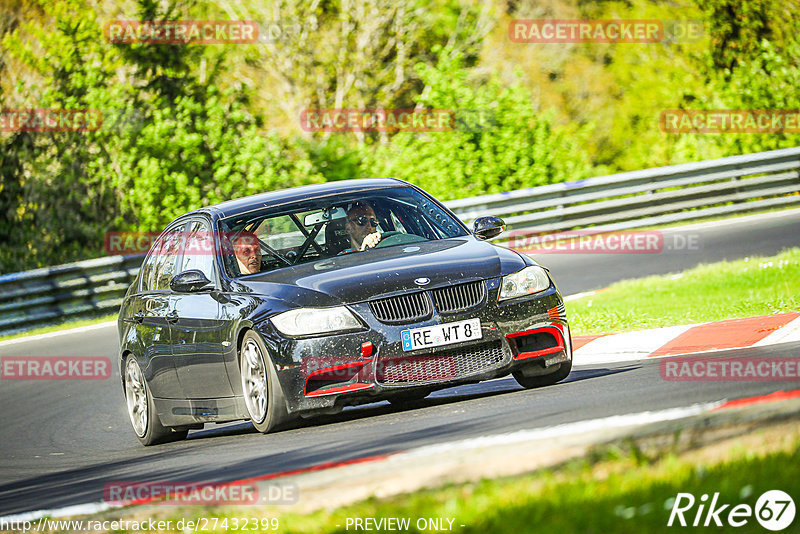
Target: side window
(198, 251)
(153, 260)
(166, 262)
(148, 267)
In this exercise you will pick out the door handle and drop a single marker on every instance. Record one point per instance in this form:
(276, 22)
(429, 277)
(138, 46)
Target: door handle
(138, 317)
(172, 317)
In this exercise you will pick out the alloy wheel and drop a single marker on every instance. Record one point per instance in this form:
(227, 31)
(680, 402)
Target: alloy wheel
(254, 381)
(136, 397)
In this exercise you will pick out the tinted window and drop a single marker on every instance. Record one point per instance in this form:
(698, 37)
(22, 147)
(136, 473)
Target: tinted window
(165, 255)
(198, 250)
(148, 266)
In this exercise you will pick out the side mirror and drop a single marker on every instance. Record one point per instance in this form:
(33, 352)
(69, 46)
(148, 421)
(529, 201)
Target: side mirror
(189, 282)
(488, 227)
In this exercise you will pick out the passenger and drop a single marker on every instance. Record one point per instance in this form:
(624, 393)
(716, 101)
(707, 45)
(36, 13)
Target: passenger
(247, 250)
(362, 227)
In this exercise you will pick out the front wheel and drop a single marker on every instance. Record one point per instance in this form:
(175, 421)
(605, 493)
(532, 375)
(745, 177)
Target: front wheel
(141, 409)
(262, 393)
(530, 382)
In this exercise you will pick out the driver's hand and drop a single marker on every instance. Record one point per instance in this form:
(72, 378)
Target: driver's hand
(371, 241)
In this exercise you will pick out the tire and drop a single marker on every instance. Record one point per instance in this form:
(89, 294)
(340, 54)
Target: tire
(262, 393)
(141, 408)
(530, 382)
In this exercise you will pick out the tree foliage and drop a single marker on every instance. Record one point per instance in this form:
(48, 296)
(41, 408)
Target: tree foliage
(170, 142)
(351, 53)
(191, 125)
(738, 29)
(500, 142)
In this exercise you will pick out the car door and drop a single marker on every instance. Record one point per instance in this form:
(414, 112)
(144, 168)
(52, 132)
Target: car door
(197, 329)
(149, 315)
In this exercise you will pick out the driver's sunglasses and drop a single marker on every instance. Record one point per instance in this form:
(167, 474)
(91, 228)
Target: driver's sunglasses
(362, 221)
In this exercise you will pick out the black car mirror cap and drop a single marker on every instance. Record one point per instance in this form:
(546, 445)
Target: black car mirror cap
(190, 281)
(488, 227)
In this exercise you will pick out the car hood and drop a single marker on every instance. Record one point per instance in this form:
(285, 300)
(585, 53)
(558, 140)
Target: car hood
(359, 276)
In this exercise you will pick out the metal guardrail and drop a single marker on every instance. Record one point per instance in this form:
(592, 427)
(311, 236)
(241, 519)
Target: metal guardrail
(617, 202)
(80, 290)
(648, 197)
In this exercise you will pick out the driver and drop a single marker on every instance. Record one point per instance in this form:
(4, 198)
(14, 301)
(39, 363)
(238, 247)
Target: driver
(362, 227)
(247, 250)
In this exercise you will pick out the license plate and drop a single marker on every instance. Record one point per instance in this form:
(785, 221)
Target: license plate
(441, 334)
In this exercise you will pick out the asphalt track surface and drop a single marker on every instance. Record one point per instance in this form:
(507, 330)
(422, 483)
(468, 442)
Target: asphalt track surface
(62, 441)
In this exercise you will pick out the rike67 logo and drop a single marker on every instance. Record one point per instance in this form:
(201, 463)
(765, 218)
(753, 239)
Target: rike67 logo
(774, 510)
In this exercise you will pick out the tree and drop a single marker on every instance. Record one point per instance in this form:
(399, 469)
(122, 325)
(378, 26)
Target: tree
(739, 28)
(353, 54)
(172, 140)
(499, 141)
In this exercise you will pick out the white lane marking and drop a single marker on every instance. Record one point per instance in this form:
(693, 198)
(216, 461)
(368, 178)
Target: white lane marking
(576, 296)
(78, 330)
(67, 511)
(627, 346)
(520, 436)
(785, 334)
(558, 431)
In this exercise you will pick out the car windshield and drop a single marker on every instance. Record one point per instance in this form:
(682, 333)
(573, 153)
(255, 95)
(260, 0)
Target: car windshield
(314, 229)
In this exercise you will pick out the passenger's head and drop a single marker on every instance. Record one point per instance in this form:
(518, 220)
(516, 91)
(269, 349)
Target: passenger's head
(247, 250)
(361, 222)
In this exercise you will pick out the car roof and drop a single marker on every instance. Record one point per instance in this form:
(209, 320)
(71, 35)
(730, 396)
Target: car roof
(231, 208)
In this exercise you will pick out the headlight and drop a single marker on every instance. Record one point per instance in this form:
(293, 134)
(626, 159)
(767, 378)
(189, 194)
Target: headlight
(528, 281)
(310, 321)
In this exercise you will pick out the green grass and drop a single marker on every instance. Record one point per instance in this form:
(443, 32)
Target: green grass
(63, 326)
(712, 292)
(631, 499)
(610, 491)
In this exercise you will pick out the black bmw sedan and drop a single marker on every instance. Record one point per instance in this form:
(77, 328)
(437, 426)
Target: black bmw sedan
(306, 300)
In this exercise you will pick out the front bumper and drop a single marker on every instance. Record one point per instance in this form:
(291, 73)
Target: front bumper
(355, 368)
